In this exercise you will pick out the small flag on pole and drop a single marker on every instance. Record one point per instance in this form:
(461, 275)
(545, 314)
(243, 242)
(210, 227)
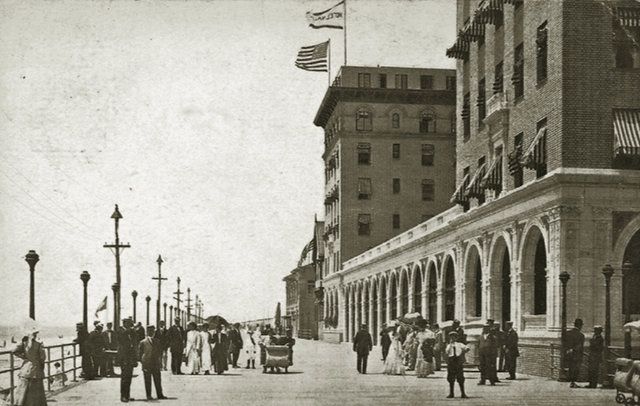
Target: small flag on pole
(313, 57)
(330, 18)
(102, 306)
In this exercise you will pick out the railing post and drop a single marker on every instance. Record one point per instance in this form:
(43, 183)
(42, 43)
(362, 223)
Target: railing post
(48, 368)
(75, 378)
(63, 357)
(12, 382)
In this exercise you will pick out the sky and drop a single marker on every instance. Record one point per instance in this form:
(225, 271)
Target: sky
(192, 117)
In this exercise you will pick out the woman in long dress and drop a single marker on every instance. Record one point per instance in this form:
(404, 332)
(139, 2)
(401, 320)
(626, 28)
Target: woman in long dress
(394, 364)
(251, 347)
(424, 361)
(193, 350)
(205, 337)
(30, 388)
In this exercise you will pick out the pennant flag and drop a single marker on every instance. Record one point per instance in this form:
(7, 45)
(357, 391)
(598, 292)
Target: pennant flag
(330, 18)
(313, 57)
(102, 306)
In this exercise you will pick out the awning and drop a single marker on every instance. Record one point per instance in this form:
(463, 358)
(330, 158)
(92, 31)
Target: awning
(490, 12)
(628, 16)
(536, 154)
(458, 196)
(493, 178)
(514, 161)
(474, 189)
(626, 128)
(459, 50)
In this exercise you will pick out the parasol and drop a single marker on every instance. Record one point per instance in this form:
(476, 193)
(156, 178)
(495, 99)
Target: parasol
(632, 325)
(214, 321)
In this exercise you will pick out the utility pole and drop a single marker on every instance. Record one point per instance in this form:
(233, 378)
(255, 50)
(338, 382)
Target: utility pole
(177, 299)
(116, 251)
(197, 309)
(188, 304)
(159, 279)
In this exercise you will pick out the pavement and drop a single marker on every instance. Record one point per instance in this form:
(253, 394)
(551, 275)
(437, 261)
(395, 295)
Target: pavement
(325, 374)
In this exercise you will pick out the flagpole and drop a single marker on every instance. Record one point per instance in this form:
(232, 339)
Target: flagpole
(329, 63)
(345, 32)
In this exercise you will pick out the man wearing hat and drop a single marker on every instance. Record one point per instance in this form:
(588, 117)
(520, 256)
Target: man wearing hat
(574, 344)
(362, 345)
(455, 360)
(385, 342)
(511, 352)
(175, 340)
(97, 349)
(596, 348)
(150, 354)
(82, 340)
(127, 358)
(487, 352)
(110, 343)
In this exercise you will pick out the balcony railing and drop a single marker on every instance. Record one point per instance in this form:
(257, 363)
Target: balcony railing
(498, 103)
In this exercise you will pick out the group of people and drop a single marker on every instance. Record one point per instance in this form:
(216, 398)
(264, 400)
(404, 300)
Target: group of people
(217, 348)
(574, 345)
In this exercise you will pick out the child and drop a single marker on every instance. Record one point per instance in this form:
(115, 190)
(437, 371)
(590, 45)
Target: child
(59, 378)
(455, 359)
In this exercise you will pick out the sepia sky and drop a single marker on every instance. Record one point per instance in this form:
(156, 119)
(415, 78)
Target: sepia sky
(192, 117)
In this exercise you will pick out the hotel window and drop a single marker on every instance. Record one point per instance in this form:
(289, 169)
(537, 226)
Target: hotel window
(364, 80)
(466, 116)
(516, 168)
(395, 120)
(518, 72)
(402, 82)
(383, 80)
(396, 221)
(428, 190)
(626, 36)
(428, 154)
(498, 78)
(427, 122)
(363, 120)
(451, 83)
(541, 52)
(364, 188)
(364, 224)
(481, 101)
(396, 186)
(364, 154)
(395, 153)
(426, 82)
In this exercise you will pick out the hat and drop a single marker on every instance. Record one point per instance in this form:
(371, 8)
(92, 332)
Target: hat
(453, 333)
(597, 327)
(490, 321)
(79, 324)
(95, 323)
(127, 320)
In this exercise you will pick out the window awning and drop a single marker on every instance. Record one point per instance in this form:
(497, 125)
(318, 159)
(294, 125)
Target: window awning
(536, 154)
(474, 189)
(489, 12)
(514, 161)
(626, 128)
(493, 178)
(459, 50)
(458, 196)
(628, 16)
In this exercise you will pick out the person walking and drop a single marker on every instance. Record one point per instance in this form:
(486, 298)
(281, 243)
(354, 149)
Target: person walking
(111, 345)
(150, 357)
(193, 349)
(596, 349)
(394, 365)
(205, 338)
(175, 339)
(362, 345)
(251, 347)
(162, 336)
(385, 342)
(82, 340)
(97, 350)
(438, 347)
(425, 340)
(455, 351)
(235, 344)
(219, 351)
(511, 352)
(30, 388)
(487, 352)
(127, 358)
(574, 349)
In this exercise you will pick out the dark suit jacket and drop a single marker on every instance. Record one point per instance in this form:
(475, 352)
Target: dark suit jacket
(175, 338)
(149, 353)
(97, 342)
(596, 347)
(235, 338)
(127, 348)
(109, 339)
(511, 343)
(488, 345)
(162, 335)
(221, 344)
(385, 340)
(575, 342)
(362, 342)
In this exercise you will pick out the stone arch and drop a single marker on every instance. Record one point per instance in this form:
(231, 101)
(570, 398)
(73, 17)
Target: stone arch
(373, 292)
(382, 286)
(533, 265)
(403, 291)
(500, 274)
(449, 288)
(365, 303)
(631, 281)
(473, 281)
(393, 295)
(417, 289)
(623, 240)
(432, 291)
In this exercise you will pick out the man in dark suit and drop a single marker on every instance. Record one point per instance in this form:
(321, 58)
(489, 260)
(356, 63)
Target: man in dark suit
(140, 334)
(235, 344)
(97, 350)
(162, 336)
(362, 345)
(596, 348)
(220, 344)
(83, 342)
(110, 343)
(150, 353)
(487, 352)
(574, 345)
(385, 342)
(127, 358)
(175, 341)
(511, 352)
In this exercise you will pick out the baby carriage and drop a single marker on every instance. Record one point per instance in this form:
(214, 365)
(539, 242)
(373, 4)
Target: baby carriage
(622, 382)
(277, 357)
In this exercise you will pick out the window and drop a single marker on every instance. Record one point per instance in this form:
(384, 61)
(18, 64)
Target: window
(465, 174)
(426, 82)
(428, 190)
(541, 52)
(428, 153)
(427, 122)
(517, 170)
(518, 72)
(402, 82)
(364, 188)
(498, 78)
(466, 116)
(481, 162)
(383, 80)
(481, 102)
(451, 83)
(625, 40)
(364, 154)
(396, 151)
(396, 186)
(364, 80)
(541, 167)
(364, 224)
(363, 120)
(396, 221)
(395, 120)
(311, 287)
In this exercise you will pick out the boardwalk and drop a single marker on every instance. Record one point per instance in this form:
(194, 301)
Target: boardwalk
(324, 374)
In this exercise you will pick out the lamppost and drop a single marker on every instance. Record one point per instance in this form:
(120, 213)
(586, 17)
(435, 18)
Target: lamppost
(32, 259)
(607, 271)
(84, 277)
(134, 294)
(148, 299)
(171, 314)
(116, 293)
(564, 278)
(164, 306)
(159, 279)
(627, 268)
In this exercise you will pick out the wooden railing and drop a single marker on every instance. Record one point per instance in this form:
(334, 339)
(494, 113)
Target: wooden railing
(68, 363)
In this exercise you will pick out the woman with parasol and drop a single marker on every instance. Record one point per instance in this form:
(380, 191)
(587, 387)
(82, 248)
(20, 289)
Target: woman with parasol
(30, 388)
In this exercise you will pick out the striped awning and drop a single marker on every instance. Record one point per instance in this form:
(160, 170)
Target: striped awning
(626, 128)
(489, 12)
(514, 161)
(459, 50)
(536, 154)
(475, 189)
(458, 196)
(472, 31)
(492, 180)
(628, 16)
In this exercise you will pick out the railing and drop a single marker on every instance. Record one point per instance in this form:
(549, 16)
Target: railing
(68, 363)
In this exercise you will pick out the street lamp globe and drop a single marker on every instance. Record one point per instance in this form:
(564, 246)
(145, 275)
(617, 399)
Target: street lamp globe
(85, 277)
(32, 258)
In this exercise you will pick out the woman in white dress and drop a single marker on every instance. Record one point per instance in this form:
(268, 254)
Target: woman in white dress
(394, 365)
(425, 339)
(251, 342)
(205, 337)
(193, 350)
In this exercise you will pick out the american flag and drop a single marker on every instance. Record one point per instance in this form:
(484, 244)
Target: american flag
(313, 57)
